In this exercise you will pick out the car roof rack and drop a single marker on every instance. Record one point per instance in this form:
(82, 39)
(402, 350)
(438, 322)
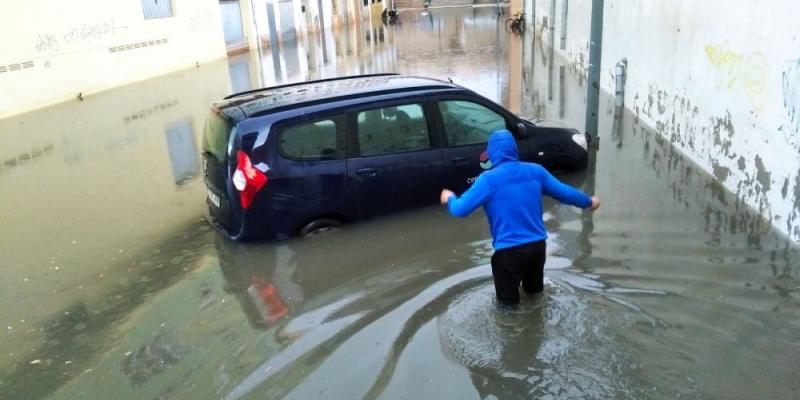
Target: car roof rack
(307, 82)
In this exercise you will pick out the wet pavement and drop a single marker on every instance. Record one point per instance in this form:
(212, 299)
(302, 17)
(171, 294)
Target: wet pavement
(114, 286)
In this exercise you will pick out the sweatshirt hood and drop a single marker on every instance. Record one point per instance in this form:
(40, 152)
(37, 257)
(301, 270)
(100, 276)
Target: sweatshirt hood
(502, 147)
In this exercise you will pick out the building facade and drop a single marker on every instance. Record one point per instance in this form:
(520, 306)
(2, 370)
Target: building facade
(65, 51)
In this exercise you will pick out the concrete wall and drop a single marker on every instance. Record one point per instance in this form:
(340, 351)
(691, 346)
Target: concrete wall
(60, 49)
(719, 79)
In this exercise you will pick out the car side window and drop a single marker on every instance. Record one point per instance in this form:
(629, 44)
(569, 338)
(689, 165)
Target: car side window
(314, 140)
(466, 122)
(393, 129)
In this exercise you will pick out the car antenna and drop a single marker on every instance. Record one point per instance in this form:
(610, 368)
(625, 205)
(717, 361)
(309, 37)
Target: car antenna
(450, 79)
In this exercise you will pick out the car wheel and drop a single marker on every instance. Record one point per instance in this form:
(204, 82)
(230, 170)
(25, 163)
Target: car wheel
(320, 226)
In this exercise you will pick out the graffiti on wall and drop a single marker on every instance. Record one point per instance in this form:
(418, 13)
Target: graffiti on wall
(201, 22)
(85, 34)
(791, 95)
(47, 43)
(737, 71)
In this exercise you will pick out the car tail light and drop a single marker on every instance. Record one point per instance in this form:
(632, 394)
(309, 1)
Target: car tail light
(247, 179)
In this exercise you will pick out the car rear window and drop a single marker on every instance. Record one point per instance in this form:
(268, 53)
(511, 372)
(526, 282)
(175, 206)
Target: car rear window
(215, 136)
(314, 140)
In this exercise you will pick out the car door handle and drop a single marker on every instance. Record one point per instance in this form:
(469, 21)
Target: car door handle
(459, 159)
(367, 172)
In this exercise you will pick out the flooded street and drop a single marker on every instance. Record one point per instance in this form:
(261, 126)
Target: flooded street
(115, 286)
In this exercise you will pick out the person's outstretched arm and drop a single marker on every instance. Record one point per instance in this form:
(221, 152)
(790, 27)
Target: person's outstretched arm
(566, 193)
(473, 198)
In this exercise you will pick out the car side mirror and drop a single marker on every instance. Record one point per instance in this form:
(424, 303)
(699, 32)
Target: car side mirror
(522, 130)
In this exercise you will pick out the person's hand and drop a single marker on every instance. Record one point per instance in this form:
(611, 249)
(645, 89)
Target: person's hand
(595, 203)
(446, 193)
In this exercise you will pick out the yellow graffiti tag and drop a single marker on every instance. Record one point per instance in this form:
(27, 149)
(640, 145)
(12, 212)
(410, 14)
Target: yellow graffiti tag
(749, 72)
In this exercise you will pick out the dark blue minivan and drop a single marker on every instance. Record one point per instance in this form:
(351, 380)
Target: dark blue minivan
(298, 158)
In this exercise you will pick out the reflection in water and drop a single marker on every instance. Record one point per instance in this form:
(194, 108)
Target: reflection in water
(540, 348)
(562, 95)
(152, 359)
(274, 39)
(387, 304)
(25, 156)
(291, 58)
(114, 283)
(239, 72)
(336, 288)
(182, 151)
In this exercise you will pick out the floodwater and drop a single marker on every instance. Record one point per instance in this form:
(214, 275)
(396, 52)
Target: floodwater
(114, 286)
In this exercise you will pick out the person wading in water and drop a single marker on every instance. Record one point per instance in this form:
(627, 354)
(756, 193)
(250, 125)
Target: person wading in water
(511, 196)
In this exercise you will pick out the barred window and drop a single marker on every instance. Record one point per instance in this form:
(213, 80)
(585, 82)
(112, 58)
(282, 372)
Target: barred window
(153, 9)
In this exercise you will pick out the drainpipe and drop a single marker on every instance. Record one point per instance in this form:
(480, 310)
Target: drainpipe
(595, 53)
(619, 80)
(564, 8)
(552, 23)
(320, 16)
(551, 50)
(619, 101)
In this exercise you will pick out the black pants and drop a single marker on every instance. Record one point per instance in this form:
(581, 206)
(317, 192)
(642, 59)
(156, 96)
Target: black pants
(520, 263)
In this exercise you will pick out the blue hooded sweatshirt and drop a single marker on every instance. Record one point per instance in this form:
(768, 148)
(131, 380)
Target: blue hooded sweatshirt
(511, 195)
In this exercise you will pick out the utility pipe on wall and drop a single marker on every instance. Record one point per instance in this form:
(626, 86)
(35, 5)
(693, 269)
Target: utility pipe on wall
(595, 55)
(619, 81)
(552, 23)
(564, 8)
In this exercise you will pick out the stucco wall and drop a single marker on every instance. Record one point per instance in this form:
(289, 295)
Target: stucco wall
(59, 49)
(718, 79)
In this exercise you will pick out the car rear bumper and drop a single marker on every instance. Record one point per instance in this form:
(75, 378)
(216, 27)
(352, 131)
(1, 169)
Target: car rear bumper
(222, 230)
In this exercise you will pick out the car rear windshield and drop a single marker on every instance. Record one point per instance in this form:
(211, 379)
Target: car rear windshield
(215, 137)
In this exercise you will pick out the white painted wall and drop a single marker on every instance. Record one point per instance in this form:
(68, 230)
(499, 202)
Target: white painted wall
(719, 79)
(67, 46)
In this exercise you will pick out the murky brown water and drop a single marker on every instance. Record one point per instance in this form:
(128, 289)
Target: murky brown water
(115, 287)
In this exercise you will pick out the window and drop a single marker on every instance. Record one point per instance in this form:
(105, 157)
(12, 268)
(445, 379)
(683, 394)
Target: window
(392, 129)
(466, 122)
(312, 140)
(156, 8)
